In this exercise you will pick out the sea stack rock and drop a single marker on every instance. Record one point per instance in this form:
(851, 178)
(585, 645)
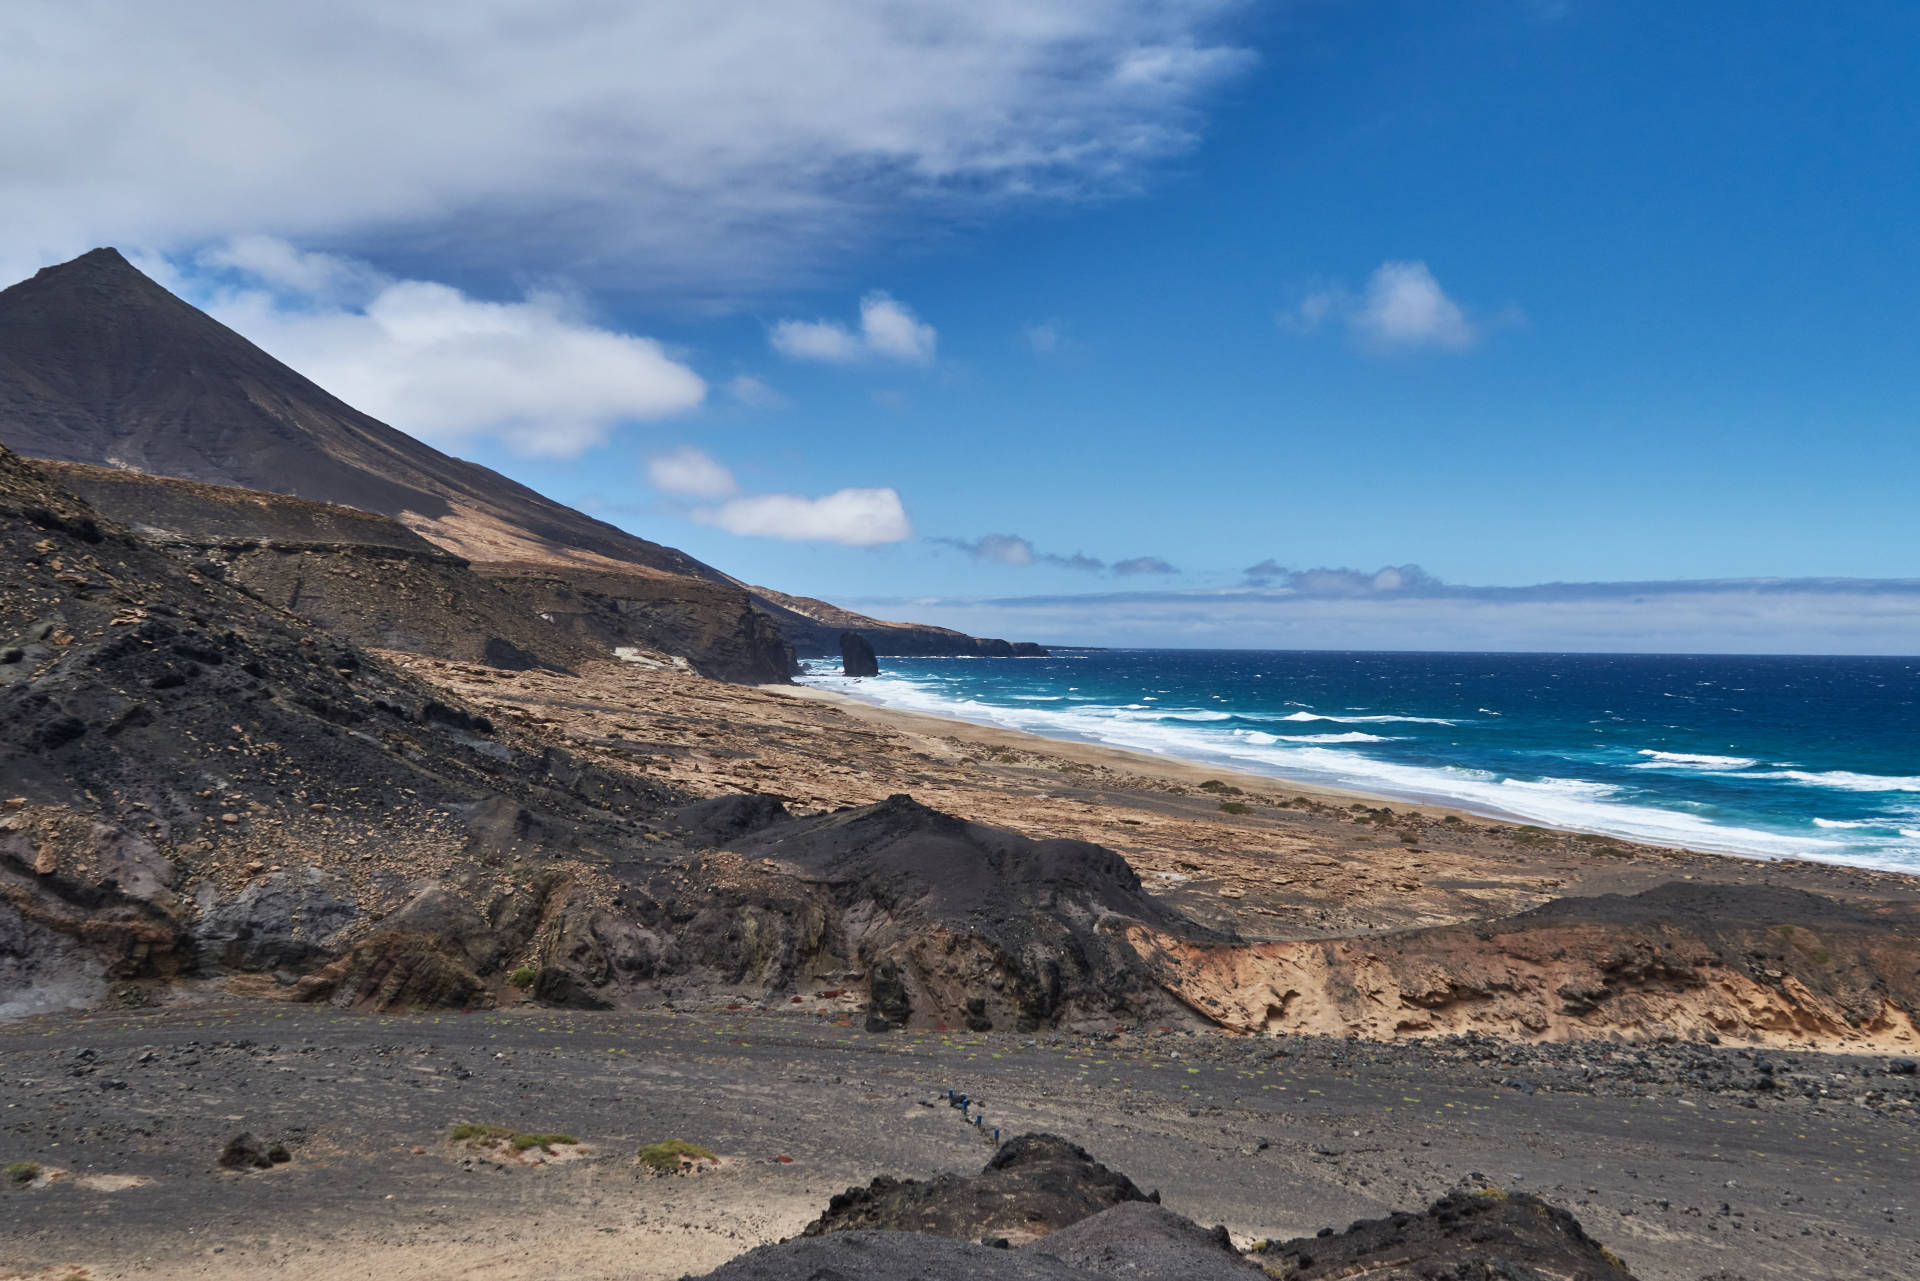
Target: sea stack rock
(856, 656)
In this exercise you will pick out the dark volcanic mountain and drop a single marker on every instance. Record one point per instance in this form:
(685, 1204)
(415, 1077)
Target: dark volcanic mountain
(99, 364)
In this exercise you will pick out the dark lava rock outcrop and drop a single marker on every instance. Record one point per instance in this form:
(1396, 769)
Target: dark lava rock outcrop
(1033, 1185)
(949, 921)
(202, 784)
(1146, 1242)
(1465, 1236)
(857, 656)
(893, 1256)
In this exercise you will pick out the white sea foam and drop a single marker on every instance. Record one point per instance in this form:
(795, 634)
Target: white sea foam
(1573, 804)
(1039, 698)
(1367, 720)
(1843, 780)
(1842, 823)
(1262, 739)
(1692, 760)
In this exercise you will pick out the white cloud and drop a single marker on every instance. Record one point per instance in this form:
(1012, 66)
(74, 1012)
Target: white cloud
(714, 150)
(822, 340)
(1402, 308)
(1405, 307)
(888, 329)
(436, 363)
(690, 473)
(855, 517)
(754, 393)
(1042, 339)
(891, 330)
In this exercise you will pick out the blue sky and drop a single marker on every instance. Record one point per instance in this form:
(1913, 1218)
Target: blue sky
(927, 309)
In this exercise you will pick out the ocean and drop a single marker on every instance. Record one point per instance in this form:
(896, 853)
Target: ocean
(1769, 757)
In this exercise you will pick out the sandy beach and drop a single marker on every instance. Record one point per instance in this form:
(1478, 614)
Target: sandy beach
(1299, 862)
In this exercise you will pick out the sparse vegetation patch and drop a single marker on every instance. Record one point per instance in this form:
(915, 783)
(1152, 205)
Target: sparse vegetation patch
(673, 1155)
(480, 1135)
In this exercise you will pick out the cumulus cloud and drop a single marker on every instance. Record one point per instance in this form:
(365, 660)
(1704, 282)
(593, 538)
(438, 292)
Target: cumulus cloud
(888, 330)
(1142, 565)
(1402, 308)
(731, 149)
(687, 472)
(1340, 582)
(433, 361)
(854, 517)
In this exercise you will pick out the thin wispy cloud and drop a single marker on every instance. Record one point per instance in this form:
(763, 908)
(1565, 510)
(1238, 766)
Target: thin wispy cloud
(1322, 581)
(1017, 552)
(888, 330)
(1758, 616)
(736, 149)
(754, 393)
(1401, 308)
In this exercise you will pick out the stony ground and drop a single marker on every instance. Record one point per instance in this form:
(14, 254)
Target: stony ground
(1676, 1157)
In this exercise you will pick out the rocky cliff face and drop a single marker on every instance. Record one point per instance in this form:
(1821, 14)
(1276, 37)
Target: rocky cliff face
(361, 577)
(1683, 961)
(714, 625)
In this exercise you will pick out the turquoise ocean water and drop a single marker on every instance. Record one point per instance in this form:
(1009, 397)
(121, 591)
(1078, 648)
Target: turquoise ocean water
(1773, 757)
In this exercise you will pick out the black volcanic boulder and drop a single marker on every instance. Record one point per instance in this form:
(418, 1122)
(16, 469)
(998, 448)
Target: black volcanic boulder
(1485, 1235)
(857, 656)
(982, 923)
(1035, 1184)
(889, 1004)
(1146, 1242)
(892, 1256)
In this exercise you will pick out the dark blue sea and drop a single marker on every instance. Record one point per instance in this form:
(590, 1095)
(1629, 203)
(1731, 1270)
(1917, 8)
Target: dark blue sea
(1814, 758)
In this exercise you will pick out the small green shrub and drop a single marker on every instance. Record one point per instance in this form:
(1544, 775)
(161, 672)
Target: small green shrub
(664, 1158)
(1235, 807)
(545, 1142)
(22, 1172)
(474, 1132)
(1218, 788)
(523, 977)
